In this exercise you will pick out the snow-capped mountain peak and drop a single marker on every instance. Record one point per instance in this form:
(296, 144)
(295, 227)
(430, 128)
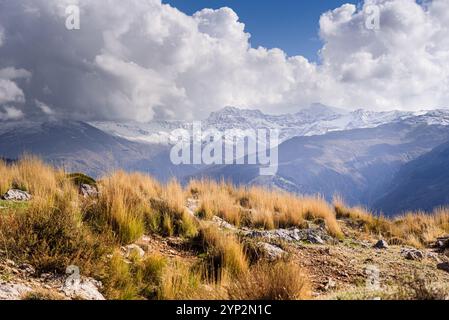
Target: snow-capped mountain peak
(317, 119)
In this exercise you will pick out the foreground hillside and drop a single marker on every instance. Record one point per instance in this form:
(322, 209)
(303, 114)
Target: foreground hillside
(133, 238)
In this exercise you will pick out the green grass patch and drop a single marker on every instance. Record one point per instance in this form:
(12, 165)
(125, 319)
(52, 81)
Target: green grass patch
(14, 205)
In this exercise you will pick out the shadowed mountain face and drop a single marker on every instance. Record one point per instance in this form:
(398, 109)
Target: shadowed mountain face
(76, 146)
(356, 164)
(422, 184)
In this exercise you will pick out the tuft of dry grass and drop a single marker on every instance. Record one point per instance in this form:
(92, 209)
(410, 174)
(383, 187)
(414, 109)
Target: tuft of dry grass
(43, 294)
(123, 203)
(29, 174)
(419, 288)
(225, 253)
(278, 281)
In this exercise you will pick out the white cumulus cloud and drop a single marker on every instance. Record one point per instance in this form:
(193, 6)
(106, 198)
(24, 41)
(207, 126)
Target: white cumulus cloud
(10, 113)
(141, 59)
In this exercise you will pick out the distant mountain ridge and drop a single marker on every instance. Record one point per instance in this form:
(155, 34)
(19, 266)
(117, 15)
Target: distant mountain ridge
(74, 145)
(315, 120)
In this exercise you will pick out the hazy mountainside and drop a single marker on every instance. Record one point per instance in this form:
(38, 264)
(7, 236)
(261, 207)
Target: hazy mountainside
(76, 146)
(315, 120)
(356, 164)
(421, 184)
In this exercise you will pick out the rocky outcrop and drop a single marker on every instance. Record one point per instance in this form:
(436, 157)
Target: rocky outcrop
(83, 288)
(314, 236)
(412, 254)
(271, 252)
(16, 195)
(88, 191)
(13, 291)
(23, 281)
(219, 222)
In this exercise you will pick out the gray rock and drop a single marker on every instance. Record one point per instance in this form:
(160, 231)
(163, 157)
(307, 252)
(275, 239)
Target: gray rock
(315, 236)
(27, 268)
(222, 223)
(381, 244)
(270, 251)
(11, 291)
(315, 239)
(84, 288)
(434, 256)
(88, 191)
(412, 254)
(330, 285)
(16, 195)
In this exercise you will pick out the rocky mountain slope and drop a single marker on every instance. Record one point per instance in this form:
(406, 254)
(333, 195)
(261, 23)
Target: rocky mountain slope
(75, 146)
(421, 184)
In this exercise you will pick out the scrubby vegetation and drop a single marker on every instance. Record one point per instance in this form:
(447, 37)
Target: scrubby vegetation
(59, 227)
(261, 208)
(416, 229)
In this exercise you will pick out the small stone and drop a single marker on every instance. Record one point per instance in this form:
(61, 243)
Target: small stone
(88, 191)
(315, 239)
(84, 288)
(434, 256)
(222, 223)
(381, 244)
(412, 254)
(271, 252)
(443, 266)
(331, 284)
(16, 195)
(27, 268)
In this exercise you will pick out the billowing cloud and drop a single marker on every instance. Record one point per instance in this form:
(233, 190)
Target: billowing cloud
(10, 113)
(140, 59)
(44, 108)
(9, 90)
(403, 64)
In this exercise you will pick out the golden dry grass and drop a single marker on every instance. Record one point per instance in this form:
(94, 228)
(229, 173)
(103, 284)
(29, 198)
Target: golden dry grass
(261, 208)
(416, 229)
(278, 281)
(226, 253)
(58, 227)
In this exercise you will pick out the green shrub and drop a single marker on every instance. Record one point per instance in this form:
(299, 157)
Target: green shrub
(80, 178)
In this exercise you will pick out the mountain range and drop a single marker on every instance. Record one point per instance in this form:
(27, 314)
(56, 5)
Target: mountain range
(388, 161)
(315, 120)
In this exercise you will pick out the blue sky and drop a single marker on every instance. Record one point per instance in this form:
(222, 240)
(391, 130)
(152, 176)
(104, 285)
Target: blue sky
(291, 25)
